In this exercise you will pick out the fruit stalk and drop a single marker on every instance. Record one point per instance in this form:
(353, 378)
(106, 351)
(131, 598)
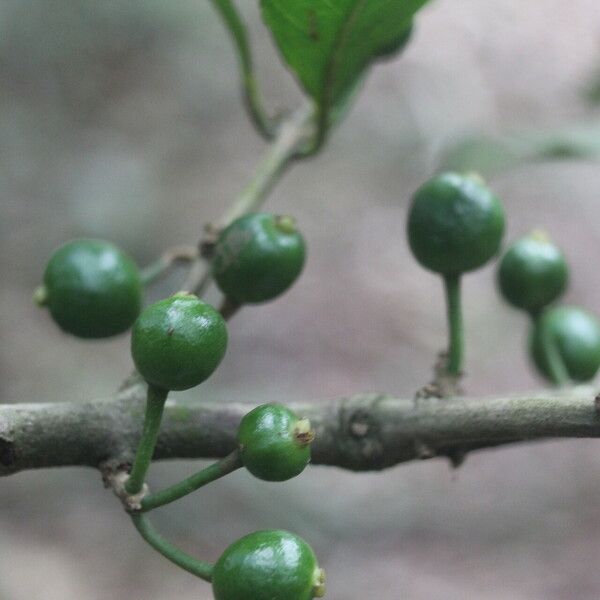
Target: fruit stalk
(192, 565)
(211, 473)
(160, 267)
(155, 404)
(229, 308)
(455, 324)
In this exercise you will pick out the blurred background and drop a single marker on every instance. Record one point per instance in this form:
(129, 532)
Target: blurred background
(122, 120)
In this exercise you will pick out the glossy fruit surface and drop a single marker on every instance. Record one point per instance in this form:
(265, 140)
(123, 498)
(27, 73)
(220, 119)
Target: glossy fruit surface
(268, 565)
(455, 224)
(274, 442)
(178, 342)
(533, 273)
(258, 257)
(92, 289)
(392, 50)
(576, 334)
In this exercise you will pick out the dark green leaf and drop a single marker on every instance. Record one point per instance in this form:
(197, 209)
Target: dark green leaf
(329, 43)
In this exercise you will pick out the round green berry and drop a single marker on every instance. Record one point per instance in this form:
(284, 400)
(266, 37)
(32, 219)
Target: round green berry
(533, 273)
(395, 47)
(455, 224)
(268, 565)
(274, 443)
(92, 288)
(177, 343)
(258, 257)
(576, 336)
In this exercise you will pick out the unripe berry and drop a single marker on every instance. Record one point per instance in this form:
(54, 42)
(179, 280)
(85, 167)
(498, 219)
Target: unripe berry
(92, 288)
(274, 442)
(576, 336)
(455, 224)
(533, 273)
(268, 565)
(258, 257)
(177, 343)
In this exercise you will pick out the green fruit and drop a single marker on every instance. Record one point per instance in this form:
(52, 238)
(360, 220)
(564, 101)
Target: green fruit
(268, 565)
(395, 47)
(455, 224)
(576, 336)
(177, 343)
(533, 273)
(93, 290)
(274, 442)
(258, 257)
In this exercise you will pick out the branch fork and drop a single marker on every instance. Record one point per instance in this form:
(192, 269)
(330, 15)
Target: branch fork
(117, 483)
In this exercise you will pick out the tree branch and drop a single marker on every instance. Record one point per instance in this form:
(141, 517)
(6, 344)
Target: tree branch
(365, 432)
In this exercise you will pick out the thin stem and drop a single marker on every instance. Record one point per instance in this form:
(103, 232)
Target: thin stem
(229, 308)
(192, 565)
(263, 123)
(211, 473)
(455, 324)
(557, 369)
(292, 134)
(196, 273)
(155, 270)
(155, 405)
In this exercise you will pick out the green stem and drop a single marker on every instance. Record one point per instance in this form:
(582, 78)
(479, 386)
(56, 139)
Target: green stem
(557, 369)
(179, 254)
(229, 308)
(211, 473)
(290, 138)
(153, 271)
(455, 324)
(155, 404)
(231, 18)
(196, 567)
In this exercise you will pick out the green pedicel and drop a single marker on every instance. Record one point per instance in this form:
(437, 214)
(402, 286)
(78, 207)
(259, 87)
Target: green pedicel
(455, 225)
(176, 344)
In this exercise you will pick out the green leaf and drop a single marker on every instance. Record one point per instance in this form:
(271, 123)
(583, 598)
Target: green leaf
(329, 43)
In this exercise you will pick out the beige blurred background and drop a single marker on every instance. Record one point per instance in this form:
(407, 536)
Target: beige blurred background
(122, 120)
